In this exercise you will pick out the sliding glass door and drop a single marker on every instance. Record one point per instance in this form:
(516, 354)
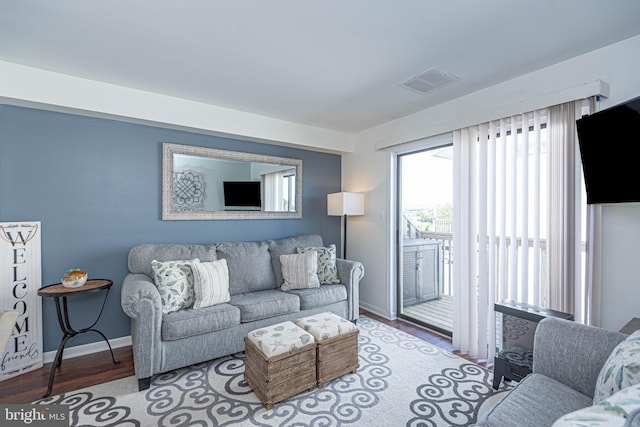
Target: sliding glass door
(425, 237)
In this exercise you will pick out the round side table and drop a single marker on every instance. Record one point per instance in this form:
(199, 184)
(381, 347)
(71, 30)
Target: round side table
(58, 291)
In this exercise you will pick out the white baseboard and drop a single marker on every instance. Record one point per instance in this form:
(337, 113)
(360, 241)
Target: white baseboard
(378, 311)
(83, 350)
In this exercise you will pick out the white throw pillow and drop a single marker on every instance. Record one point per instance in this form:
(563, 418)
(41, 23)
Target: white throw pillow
(327, 270)
(621, 409)
(621, 370)
(300, 271)
(210, 283)
(174, 281)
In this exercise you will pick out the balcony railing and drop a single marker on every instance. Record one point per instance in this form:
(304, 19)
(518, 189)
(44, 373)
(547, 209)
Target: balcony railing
(410, 231)
(446, 256)
(511, 260)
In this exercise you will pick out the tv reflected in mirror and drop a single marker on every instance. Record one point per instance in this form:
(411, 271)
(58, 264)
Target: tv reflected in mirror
(242, 195)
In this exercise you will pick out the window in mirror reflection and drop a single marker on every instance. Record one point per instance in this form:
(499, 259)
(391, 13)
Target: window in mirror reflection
(279, 190)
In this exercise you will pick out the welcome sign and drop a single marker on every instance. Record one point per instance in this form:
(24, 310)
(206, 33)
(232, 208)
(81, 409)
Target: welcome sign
(20, 279)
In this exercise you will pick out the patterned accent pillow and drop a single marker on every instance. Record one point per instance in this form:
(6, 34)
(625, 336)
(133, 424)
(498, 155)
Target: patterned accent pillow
(621, 370)
(210, 283)
(174, 281)
(300, 271)
(621, 409)
(327, 270)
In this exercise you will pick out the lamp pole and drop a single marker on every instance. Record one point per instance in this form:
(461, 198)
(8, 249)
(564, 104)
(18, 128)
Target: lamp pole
(345, 204)
(344, 246)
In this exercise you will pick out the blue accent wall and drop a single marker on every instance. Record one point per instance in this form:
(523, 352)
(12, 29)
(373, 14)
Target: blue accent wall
(95, 185)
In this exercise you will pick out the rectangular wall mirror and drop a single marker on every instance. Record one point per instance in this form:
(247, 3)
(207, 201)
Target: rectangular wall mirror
(206, 183)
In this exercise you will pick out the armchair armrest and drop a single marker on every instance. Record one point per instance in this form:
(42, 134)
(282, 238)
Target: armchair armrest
(572, 353)
(141, 301)
(350, 273)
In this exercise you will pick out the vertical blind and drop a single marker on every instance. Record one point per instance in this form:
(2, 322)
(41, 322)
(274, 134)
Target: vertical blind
(515, 229)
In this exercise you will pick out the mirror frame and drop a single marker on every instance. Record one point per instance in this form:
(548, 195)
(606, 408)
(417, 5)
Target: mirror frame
(169, 214)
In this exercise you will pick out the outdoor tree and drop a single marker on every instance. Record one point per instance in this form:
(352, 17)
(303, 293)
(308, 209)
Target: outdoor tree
(444, 211)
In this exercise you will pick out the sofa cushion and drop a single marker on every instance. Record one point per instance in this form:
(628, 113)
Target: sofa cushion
(249, 266)
(210, 283)
(188, 323)
(140, 256)
(621, 409)
(537, 401)
(265, 304)
(289, 246)
(621, 370)
(174, 280)
(327, 270)
(300, 271)
(319, 297)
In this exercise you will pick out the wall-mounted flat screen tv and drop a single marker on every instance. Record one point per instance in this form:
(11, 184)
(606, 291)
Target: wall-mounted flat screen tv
(607, 141)
(242, 194)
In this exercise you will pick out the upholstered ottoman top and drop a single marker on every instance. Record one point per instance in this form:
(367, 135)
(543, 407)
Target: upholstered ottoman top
(280, 338)
(326, 325)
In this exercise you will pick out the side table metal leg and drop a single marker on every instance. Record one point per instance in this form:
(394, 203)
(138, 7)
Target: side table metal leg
(107, 341)
(56, 362)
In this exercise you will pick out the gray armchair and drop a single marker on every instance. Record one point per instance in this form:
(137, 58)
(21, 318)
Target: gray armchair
(567, 358)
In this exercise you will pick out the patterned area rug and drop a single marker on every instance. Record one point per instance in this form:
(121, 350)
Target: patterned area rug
(401, 381)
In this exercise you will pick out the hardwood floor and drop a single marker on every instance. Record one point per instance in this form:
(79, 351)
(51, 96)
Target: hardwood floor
(97, 368)
(73, 374)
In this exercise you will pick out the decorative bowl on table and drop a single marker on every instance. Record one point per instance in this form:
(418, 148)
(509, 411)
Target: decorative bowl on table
(74, 278)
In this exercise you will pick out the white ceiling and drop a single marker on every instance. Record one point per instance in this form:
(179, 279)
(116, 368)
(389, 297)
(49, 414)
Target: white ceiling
(334, 64)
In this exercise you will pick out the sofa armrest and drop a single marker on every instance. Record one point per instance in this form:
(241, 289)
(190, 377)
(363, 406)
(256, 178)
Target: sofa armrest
(350, 273)
(141, 301)
(572, 353)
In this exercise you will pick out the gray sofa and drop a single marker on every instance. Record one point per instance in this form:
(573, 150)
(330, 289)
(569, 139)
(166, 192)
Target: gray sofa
(567, 358)
(164, 342)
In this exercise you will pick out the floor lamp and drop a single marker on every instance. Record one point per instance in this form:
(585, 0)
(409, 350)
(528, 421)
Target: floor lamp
(345, 204)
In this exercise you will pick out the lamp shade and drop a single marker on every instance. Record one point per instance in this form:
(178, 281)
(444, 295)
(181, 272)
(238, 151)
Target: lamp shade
(344, 203)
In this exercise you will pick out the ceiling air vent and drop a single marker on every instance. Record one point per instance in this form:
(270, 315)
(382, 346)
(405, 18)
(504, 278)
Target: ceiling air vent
(429, 80)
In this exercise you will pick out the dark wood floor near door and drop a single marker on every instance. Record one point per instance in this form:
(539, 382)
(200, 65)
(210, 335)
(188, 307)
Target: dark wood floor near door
(97, 368)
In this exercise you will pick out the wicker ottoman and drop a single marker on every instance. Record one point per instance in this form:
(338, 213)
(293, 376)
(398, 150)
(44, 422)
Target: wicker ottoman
(337, 340)
(280, 362)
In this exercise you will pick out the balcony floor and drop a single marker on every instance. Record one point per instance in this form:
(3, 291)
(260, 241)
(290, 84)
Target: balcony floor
(438, 313)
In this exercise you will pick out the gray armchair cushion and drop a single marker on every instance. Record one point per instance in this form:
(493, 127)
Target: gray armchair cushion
(318, 297)
(249, 266)
(190, 322)
(536, 402)
(265, 304)
(287, 247)
(572, 353)
(140, 256)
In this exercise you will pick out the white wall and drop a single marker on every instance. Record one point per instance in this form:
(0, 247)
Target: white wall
(32, 87)
(367, 170)
(620, 268)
